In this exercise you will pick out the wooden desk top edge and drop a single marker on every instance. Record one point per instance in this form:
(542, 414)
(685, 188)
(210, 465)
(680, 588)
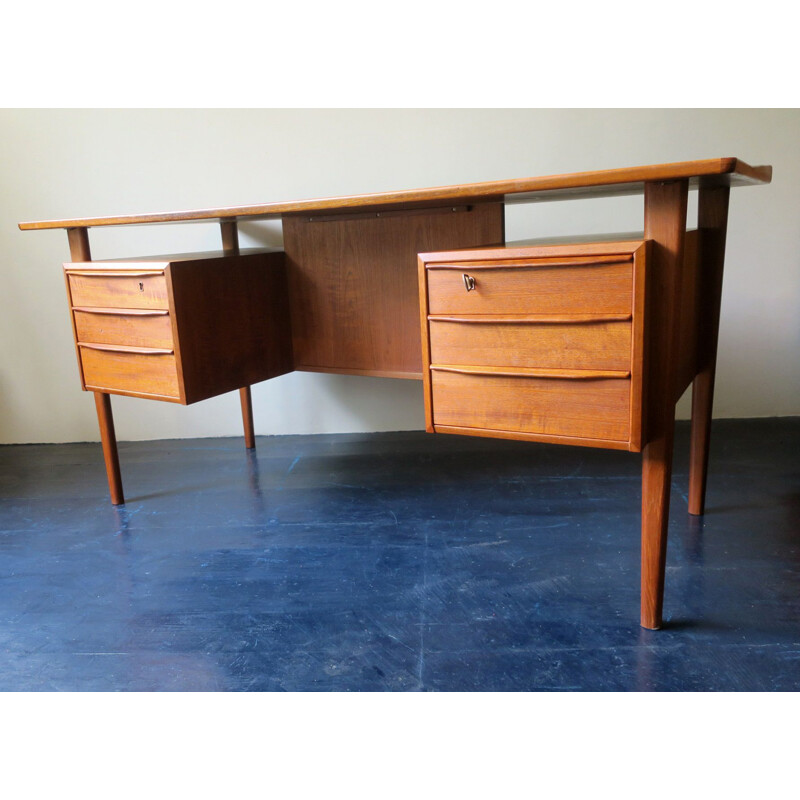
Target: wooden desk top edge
(628, 180)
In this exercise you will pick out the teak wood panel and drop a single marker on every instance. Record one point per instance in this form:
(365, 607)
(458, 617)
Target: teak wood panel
(353, 285)
(534, 287)
(108, 290)
(151, 329)
(559, 345)
(588, 409)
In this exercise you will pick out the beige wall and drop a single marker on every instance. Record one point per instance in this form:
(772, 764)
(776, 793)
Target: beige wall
(58, 164)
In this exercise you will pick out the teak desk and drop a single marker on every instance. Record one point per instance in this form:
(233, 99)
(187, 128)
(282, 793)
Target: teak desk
(586, 344)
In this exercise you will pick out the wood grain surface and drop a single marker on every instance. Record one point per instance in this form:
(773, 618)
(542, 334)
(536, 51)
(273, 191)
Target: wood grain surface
(152, 329)
(120, 371)
(353, 285)
(592, 409)
(230, 322)
(108, 290)
(532, 288)
(564, 345)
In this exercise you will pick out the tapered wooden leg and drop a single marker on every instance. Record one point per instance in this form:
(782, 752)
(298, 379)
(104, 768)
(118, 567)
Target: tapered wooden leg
(79, 251)
(664, 224)
(712, 220)
(702, 402)
(247, 417)
(656, 479)
(109, 440)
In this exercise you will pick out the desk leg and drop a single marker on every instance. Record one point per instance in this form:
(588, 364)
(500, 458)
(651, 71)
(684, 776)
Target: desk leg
(664, 223)
(702, 403)
(247, 417)
(712, 220)
(109, 440)
(79, 251)
(656, 480)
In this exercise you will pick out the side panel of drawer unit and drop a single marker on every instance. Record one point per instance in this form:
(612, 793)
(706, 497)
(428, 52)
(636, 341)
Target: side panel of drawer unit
(137, 373)
(108, 289)
(534, 286)
(555, 345)
(582, 408)
(135, 329)
(231, 318)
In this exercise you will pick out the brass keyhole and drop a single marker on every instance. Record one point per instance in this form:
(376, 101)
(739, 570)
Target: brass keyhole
(141, 286)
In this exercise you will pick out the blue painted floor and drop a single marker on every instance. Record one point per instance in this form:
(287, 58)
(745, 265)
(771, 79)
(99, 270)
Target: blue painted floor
(400, 561)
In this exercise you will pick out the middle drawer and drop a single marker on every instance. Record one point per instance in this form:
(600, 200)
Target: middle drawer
(595, 344)
(134, 328)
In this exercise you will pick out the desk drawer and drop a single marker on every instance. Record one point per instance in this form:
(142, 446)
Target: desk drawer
(105, 289)
(603, 344)
(137, 328)
(533, 286)
(595, 408)
(129, 370)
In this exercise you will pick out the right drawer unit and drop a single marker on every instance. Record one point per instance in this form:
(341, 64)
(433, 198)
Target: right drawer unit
(539, 343)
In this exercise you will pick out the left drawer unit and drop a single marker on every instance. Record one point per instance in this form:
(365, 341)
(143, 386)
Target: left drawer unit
(180, 328)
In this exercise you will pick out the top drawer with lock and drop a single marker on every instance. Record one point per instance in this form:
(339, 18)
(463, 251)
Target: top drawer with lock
(119, 288)
(550, 285)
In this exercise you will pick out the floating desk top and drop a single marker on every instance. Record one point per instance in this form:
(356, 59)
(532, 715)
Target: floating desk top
(603, 183)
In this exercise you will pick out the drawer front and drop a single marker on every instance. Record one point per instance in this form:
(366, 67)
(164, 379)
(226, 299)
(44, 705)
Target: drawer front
(584, 345)
(138, 373)
(532, 288)
(590, 409)
(135, 330)
(139, 290)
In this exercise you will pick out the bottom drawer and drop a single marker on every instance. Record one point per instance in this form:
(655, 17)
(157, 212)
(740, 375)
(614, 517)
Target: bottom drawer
(130, 371)
(596, 408)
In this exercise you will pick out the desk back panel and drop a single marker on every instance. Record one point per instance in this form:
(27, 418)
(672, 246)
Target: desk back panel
(353, 287)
